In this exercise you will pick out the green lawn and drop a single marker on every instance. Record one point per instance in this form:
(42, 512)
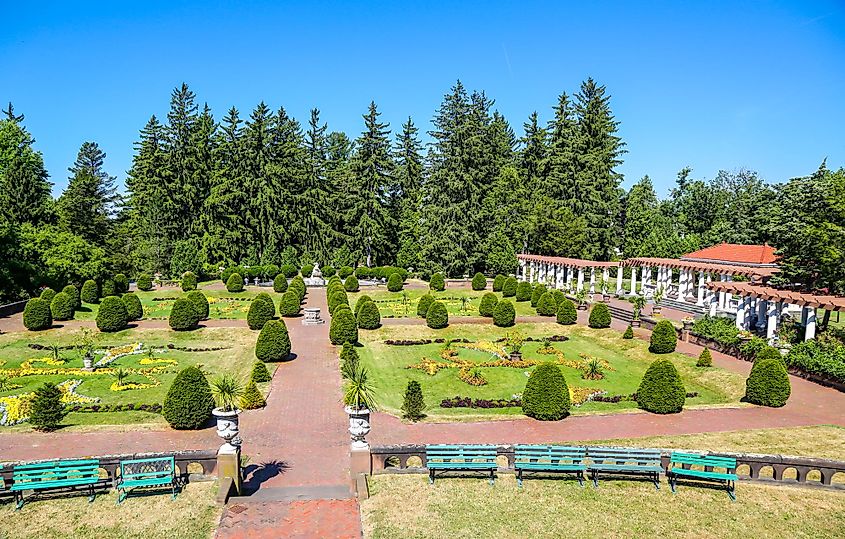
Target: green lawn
(404, 303)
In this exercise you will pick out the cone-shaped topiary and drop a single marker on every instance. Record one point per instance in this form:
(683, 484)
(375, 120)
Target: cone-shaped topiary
(536, 293)
(183, 315)
(201, 303)
(289, 270)
(189, 281)
(479, 282)
(523, 291)
(768, 383)
(235, 283)
(504, 315)
(252, 399)
(351, 283)
(362, 299)
(61, 307)
(348, 360)
(134, 309)
(663, 338)
(437, 316)
(73, 294)
(413, 403)
(47, 295)
(280, 283)
(437, 282)
(109, 288)
(343, 327)
(261, 310)
(90, 292)
(422, 306)
(338, 297)
(144, 282)
(122, 283)
(37, 315)
(273, 342)
(509, 288)
(46, 408)
(289, 305)
(546, 305)
(369, 316)
(260, 372)
(297, 285)
(394, 282)
(488, 304)
(769, 352)
(560, 297)
(188, 403)
(498, 282)
(705, 359)
(567, 314)
(112, 315)
(599, 316)
(629, 333)
(546, 395)
(661, 390)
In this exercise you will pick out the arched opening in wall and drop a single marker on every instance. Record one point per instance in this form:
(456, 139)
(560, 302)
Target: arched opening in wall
(814, 476)
(195, 468)
(391, 462)
(766, 472)
(743, 470)
(838, 478)
(790, 474)
(414, 462)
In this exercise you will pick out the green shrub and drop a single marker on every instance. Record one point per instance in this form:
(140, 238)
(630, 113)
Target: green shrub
(629, 333)
(289, 270)
(546, 395)
(200, 303)
(183, 315)
(413, 403)
(394, 283)
(599, 316)
(422, 306)
(328, 271)
(47, 295)
(144, 282)
(663, 338)
(297, 284)
(488, 304)
(289, 305)
(362, 299)
(189, 281)
(661, 390)
(90, 293)
(73, 294)
(307, 270)
(437, 317)
(719, 328)
(769, 352)
(112, 315)
(498, 282)
(46, 408)
(259, 372)
(752, 347)
(343, 327)
(134, 309)
(61, 308)
(705, 359)
(509, 288)
(109, 288)
(280, 283)
(235, 283)
(273, 342)
(822, 357)
(504, 315)
(348, 360)
(479, 282)
(523, 291)
(252, 399)
(270, 270)
(369, 316)
(338, 297)
(37, 315)
(437, 282)
(188, 403)
(560, 297)
(536, 293)
(122, 283)
(345, 271)
(768, 383)
(261, 310)
(567, 314)
(546, 305)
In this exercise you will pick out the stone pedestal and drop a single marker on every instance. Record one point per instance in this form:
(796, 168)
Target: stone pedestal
(229, 464)
(312, 317)
(360, 461)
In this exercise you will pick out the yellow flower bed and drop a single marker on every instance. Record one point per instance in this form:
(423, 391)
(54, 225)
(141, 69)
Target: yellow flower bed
(70, 396)
(48, 360)
(15, 409)
(118, 351)
(485, 346)
(580, 395)
(154, 360)
(117, 386)
(429, 366)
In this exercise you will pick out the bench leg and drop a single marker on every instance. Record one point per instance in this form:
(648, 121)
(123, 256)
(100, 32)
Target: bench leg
(581, 478)
(173, 487)
(430, 477)
(519, 478)
(656, 481)
(731, 490)
(492, 477)
(672, 480)
(19, 500)
(91, 494)
(595, 479)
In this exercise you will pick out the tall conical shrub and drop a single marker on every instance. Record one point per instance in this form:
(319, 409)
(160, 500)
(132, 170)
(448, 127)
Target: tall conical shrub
(273, 342)
(188, 403)
(546, 395)
(661, 390)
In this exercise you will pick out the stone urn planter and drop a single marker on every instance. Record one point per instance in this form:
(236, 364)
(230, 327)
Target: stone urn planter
(656, 309)
(359, 426)
(582, 306)
(635, 323)
(687, 325)
(227, 426)
(516, 356)
(606, 297)
(88, 363)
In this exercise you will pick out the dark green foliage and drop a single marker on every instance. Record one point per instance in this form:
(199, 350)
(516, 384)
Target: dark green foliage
(488, 304)
(629, 333)
(336, 298)
(280, 283)
(144, 282)
(235, 283)
(47, 295)
(719, 328)
(567, 314)
(273, 342)
(328, 272)
(289, 305)
(261, 310)
(546, 305)
(307, 270)
(343, 327)
(546, 395)
(73, 293)
(47, 410)
(479, 282)
(559, 296)
(252, 399)
(509, 288)
(413, 403)
(769, 352)
(61, 307)
(705, 359)
(201, 303)
(259, 371)
(289, 270)
(348, 360)
(523, 291)
(362, 299)
(109, 288)
(825, 358)
(768, 383)
(90, 292)
(134, 309)
(189, 281)
(297, 284)
(394, 283)
(536, 293)
(661, 390)
(663, 338)
(112, 315)
(422, 306)
(599, 316)
(437, 316)
(183, 315)
(504, 315)
(499, 283)
(368, 316)
(122, 283)
(437, 282)
(344, 272)
(188, 403)
(37, 315)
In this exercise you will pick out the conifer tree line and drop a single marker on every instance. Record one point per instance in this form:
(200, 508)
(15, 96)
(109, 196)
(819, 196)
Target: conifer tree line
(262, 188)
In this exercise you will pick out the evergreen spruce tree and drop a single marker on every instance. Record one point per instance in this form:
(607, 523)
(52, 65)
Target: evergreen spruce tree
(89, 200)
(47, 409)
(413, 404)
(409, 178)
(24, 188)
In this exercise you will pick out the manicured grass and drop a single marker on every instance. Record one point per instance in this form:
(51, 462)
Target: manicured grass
(630, 358)
(404, 304)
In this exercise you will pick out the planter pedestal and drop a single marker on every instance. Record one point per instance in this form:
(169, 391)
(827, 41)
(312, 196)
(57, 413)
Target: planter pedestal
(312, 317)
(359, 427)
(635, 323)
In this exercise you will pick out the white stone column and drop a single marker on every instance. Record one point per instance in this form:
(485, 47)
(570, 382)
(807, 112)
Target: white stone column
(683, 281)
(605, 275)
(700, 301)
(762, 308)
(619, 273)
(722, 293)
(810, 326)
(580, 279)
(741, 313)
(772, 321)
(560, 276)
(592, 280)
(569, 277)
(633, 279)
(714, 303)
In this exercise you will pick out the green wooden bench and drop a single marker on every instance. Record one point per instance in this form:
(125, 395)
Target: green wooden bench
(151, 472)
(624, 461)
(55, 474)
(473, 458)
(549, 459)
(680, 466)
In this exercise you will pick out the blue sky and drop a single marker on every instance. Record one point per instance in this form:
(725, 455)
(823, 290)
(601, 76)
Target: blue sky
(710, 85)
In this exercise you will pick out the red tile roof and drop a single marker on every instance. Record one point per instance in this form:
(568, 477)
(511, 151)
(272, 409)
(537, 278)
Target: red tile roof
(735, 253)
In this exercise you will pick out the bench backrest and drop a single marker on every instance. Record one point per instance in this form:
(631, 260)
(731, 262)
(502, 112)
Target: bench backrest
(56, 473)
(692, 459)
(151, 468)
(552, 453)
(622, 455)
(460, 453)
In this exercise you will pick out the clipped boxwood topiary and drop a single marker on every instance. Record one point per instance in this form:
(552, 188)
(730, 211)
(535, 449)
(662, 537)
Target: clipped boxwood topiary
(307, 270)
(488, 304)
(134, 309)
(768, 383)
(61, 308)
(90, 292)
(328, 271)
(368, 316)
(364, 298)
(394, 282)
(422, 306)
(73, 293)
(338, 297)
(769, 352)
(437, 316)
(546, 305)
(36, 315)
(663, 338)
(144, 282)
(523, 291)
(509, 288)
(504, 315)
(183, 315)
(599, 316)
(252, 399)
(289, 270)
(112, 315)
(351, 283)
(536, 293)
(629, 333)
(479, 282)
(273, 342)
(235, 283)
(437, 282)
(261, 310)
(46, 408)
(661, 390)
(498, 282)
(280, 283)
(122, 283)
(47, 295)
(259, 372)
(705, 359)
(566, 313)
(200, 303)
(297, 285)
(189, 281)
(559, 296)
(109, 288)
(188, 403)
(546, 395)
(289, 305)
(345, 271)
(343, 327)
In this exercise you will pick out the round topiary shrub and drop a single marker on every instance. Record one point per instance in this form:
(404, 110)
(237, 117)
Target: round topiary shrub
(200, 303)
(599, 316)
(536, 293)
(289, 305)
(90, 293)
(144, 282)
(498, 282)
(109, 288)
(523, 291)
(424, 303)
(663, 338)
(297, 285)
(479, 281)
(36, 315)
(47, 295)
(261, 310)
(188, 403)
(768, 383)
(122, 283)
(235, 283)
(504, 315)
(343, 327)
(509, 287)
(189, 281)
(134, 309)
(328, 271)
(705, 359)
(280, 283)
(488, 304)
(661, 390)
(273, 342)
(351, 283)
(769, 352)
(437, 317)
(394, 283)
(546, 305)
(629, 333)
(437, 282)
(112, 315)
(369, 316)
(546, 395)
(567, 314)
(73, 293)
(559, 296)
(289, 270)
(259, 372)
(345, 271)
(364, 298)
(307, 270)
(183, 315)
(61, 308)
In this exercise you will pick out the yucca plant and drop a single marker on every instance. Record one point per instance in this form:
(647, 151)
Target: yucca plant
(121, 375)
(593, 370)
(359, 392)
(56, 350)
(227, 392)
